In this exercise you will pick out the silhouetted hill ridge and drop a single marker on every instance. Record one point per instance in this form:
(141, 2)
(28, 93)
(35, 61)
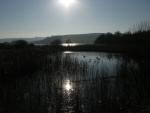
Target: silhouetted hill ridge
(75, 38)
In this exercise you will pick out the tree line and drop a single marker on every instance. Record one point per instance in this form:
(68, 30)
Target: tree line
(140, 34)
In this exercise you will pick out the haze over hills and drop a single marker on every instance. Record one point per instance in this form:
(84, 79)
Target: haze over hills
(75, 38)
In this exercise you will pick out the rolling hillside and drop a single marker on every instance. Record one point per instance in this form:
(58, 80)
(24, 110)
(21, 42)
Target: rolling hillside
(77, 38)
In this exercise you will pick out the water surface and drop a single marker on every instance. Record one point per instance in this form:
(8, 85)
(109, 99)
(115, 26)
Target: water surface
(79, 82)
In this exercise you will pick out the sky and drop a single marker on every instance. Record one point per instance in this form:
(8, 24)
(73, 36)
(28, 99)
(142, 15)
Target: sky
(41, 18)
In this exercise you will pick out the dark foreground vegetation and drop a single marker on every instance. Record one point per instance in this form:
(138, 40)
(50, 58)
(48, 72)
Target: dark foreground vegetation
(32, 78)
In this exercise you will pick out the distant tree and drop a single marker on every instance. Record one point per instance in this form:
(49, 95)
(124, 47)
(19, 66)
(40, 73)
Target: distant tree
(20, 43)
(6, 43)
(68, 41)
(104, 38)
(141, 27)
(56, 42)
(117, 34)
(31, 44)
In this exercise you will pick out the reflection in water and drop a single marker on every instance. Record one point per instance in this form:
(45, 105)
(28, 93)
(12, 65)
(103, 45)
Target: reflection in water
(68, 85)
(68, 52)
(70, 44)
(67, 103)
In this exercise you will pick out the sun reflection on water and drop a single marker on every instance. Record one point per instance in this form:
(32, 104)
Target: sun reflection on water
(68, 85)
(70, 44)
(68, 52)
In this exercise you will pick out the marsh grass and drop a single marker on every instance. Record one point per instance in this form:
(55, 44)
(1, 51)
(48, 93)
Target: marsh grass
(31, 81)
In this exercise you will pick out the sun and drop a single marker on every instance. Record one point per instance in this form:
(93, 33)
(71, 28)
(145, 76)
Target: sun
(67, 3)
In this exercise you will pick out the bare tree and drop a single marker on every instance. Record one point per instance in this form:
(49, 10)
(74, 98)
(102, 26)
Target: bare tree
(141, 27)
(56, 42)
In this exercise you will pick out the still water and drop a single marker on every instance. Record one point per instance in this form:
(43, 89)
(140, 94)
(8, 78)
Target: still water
(80, 82)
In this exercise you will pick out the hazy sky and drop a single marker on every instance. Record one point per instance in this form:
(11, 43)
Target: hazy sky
(30, 18)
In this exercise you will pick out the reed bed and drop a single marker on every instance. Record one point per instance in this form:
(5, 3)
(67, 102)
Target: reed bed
(32, 81)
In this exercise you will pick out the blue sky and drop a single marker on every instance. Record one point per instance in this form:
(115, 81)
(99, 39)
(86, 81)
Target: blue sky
(31, 18)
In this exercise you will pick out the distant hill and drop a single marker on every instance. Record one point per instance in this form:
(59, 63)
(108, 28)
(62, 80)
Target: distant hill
(29, 40)
(76, 38)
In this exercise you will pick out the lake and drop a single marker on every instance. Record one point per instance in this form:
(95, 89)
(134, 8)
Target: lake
(80, 82)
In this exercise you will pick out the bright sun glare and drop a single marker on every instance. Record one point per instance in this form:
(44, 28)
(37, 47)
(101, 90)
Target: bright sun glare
(67, 3)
